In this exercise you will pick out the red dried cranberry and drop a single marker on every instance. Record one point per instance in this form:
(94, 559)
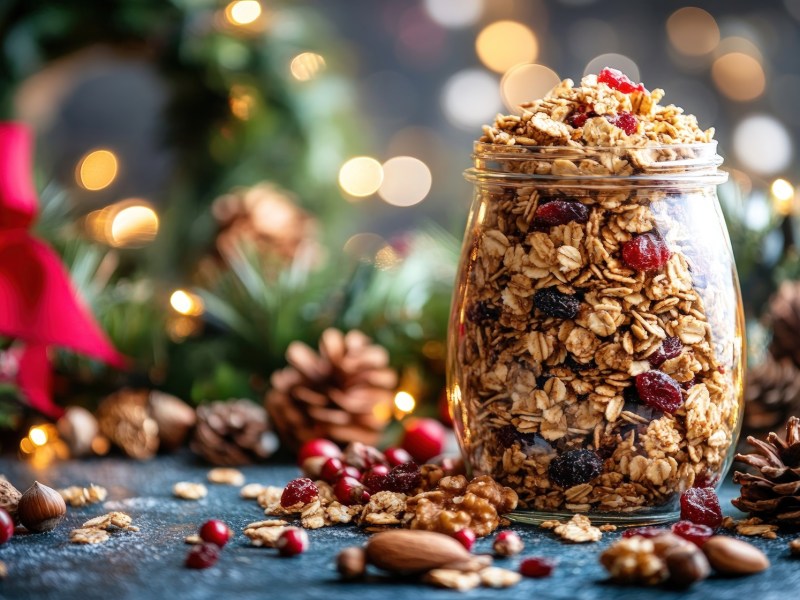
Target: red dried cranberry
(317, 447)
(348, 471)
(404, 478)
(701, 506)
(375, 479)
(646, 252)
(617, 80)
(659, 390)
(202, 556)
(299, 491)
(556, 304)
(705, 479)
(536, 566)
(671, 347)
(363, 457)
(397, 456)
(423, 439)
(215, 532)
(687, 385)
(625, 121)
(559, 212)
(466, 537)
(292, 541)
(575, 467)
(330, 470)
(645, 532)
(6, 526)
(694, 532)
(351, 491)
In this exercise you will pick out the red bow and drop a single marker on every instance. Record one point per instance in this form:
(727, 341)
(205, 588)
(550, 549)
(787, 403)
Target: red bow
(38, 305)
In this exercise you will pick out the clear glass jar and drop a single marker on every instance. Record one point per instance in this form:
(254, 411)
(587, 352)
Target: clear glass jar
(596, 346)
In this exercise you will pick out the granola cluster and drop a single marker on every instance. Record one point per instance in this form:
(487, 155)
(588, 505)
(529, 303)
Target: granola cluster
(96, 531)
(586, 289)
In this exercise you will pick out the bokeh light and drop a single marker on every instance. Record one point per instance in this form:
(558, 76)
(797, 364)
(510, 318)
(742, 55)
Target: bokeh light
(739, 76)
(186, 303)
(783, 196)
(404, 402)
(692, 31)
(504, 44)
(470, 98)
(242, 101)
(613, 61)
(134, 226)
(361, 176)
(406, 181)
(364, 246)
(454, 13)
(306, 66)
(38, 436)
(97, 170)
(526, 82)
(243, 12)
(763, 144)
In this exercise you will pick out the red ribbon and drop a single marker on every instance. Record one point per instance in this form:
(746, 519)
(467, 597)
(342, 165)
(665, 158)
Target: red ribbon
(38, 305)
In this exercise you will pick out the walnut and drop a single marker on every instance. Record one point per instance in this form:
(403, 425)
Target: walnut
(633, 560)
(578, 529)
(383, 508)
(503, 498)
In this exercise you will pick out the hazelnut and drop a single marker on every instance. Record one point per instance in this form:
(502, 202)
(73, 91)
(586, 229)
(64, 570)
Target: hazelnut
(41, 508)
(351, 563)
(9, 497)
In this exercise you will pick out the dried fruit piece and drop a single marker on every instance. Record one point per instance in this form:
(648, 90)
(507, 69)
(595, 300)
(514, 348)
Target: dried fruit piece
(466, 537)
(659, 390)
(423, 439)
(292, 541)
(536, 566)
(330, 469)
(645, 532)
(350, 491)
(375, 479)
(559, 212)
(556, 304)
(575, 467)
(696, 533)
(530, 443)
(646, 252)
(299, 491)
(216, 532)
(404, 478)
(578, 117)
(617, 80)
(507, 543)
(202, 556)
(625, 121)
(316, 448)
(6, 526)
(701, 505)
(671, 347)
(397, 456)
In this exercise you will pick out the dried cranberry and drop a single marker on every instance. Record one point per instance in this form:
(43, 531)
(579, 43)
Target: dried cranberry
(645, 532)
(659, 390)
(536, 566)
(575, 467)
(701, 506)
(215, 532)
(375, 479)
(317, 447)
(481, 312)
(299, 491)
(555, 304)
(687, 385)
(671, 347)
(330, 470)
(351, 491)
(404, 478)
(348, 471)
(466, 537)
(646, 252)
(579, 117)
(6, 526)
(397, 456)
(617, 80)
(559, 212)
(202, 556)
(578, 366)
(363, 457)
(292, 541)
(696, 533)
(705, 479)
(625, 121)
(423, 438)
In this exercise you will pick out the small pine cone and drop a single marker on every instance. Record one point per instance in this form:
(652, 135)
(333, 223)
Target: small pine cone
(783, 315)
(233, 433)
(773, 495)
(124, 418)
(772, 395)
(344, 393)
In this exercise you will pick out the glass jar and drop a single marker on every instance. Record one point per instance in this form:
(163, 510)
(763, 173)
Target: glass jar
(596, 335)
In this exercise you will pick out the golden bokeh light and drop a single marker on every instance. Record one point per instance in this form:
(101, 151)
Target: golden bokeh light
(97, 170)
(739, 76)
(361, 176)
(38, 436)
(404, 402)
(692, 31)
(406, 181)
(307, 66)
(524, 83)
(242, 102)
(243, 12)
(133, 226)
(504, 44)
(387, 258)
(186, 303)
(782, 196)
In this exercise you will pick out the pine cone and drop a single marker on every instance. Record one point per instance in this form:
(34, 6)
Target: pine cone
(344, 393)
(774, 495)
(783, 316)
(772, 395)
(233, 433)
(124, 418)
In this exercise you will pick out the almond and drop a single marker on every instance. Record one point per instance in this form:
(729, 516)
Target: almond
(730, 556)
(415, 551)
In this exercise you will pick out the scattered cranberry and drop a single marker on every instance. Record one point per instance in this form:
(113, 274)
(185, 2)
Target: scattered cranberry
(397, 456)
(404, 479)
(671, 347)
(317, 447)
(202, 556)
(299, 491)
(701, 506)
(423, 439)
(659, 390)
(6, 526)
(645, 532)
(536, 566)
(580, 116)
(646, 252)
(363, 457)
(507, 543)
(375, 479)
(351, 491)
(293, 541)
(330, 469)
(559, 212)
(466, 537)
(619, 81)
(696, 533)
(556, 304)
(625, 121)
(575, 467)
(215, 532)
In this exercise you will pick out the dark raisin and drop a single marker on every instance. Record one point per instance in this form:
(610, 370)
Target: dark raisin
(646, 252)
(559, 212)
(578, 366)
(659, 390)
(481, 312)
(555, 304)
(630, 395)
(404, 478)
(575, 467)
(530, 443)
(671, 347)
(701, 505)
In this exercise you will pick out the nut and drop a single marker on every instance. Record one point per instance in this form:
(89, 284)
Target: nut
(507, 543)
(352, 563)
(794, 547)
(41, 508)
(730, 556)
(413, 551)
(9, 497)
(686, 565)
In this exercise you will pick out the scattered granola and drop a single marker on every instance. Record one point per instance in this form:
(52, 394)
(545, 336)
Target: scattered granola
(226, 476)
(495, 577)
(80, 496)
(252, 491)
(607, 528)
(96, 530)
(753, 527)
(265, 533)
(578, 529)
(452, 579)
(193, 539)
(88, 535)
(187, 490)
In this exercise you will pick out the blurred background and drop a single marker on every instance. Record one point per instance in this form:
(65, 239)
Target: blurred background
(225, 178)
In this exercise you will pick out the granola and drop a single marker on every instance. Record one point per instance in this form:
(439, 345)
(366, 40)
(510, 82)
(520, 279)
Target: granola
(226, 476)
(81, 496)
(187, 490)
(553, 325)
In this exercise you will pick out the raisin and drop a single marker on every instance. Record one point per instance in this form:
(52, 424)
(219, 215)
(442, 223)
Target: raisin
(696, 533)
(579, 117)
(646, 252)
(404, 478)
(481, 312)
(529, 443)
(617, 80)
(555, 304)
(671, 347)
(559, 212)
(299, 490)
(575, 467)
(645, 532)
(701, 506)
(578, 366)
(659, 390)
(536, 566)
(630, 395)
(625, 121)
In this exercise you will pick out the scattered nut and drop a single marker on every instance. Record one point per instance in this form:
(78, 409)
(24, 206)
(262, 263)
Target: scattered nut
(730, 556)
(226, 476)
(187, 490)
(3, 570)
(9, 497)
(686, 565)
(579, 529)
(265, 533)
(351, 563)
(414, 551)
(41, 508)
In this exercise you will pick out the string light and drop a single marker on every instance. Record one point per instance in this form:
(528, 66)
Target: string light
(97, 170)
(783, 196)
(406, 181)
(739, 76)
(361, 176)
(404, 402)
(763, 144)
(242, 102)
(186, 303)
(454, 13)
(504, 44)
(470, 98)
(243, 12)
(134, 226)
(42, 446)
(692, 31)
(306, 66)
(38, 436)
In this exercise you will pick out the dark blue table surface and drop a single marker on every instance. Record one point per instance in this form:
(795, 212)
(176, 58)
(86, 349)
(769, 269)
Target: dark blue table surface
(149, 564)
